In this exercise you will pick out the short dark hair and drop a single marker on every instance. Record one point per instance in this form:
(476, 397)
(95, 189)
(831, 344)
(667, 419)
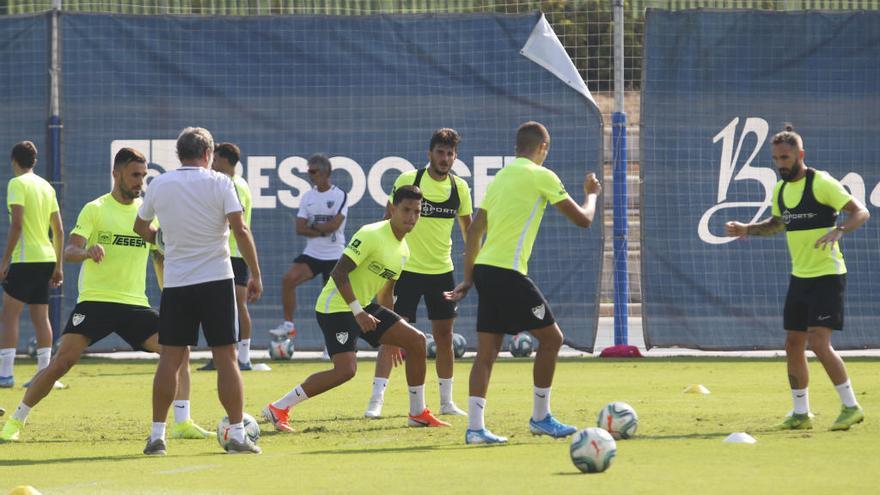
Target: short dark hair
(445, 136)
(127, 155)
(408, 191)
(24, 154)
(193, 142)
(321, 161)
(228, 151)
(530, 136)
(789, 137)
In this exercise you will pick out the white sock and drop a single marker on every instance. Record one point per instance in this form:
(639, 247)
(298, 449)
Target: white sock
(181, 411)
(44, 354)
(7, 358)
(236, 431)
(416, 400)
(158, 431)
(379, 386)
(445, 390)
(476, 407)
(21, 412)
(847, 396)
(292, 398)
(541, 405)
(244, 351)
(800, 397)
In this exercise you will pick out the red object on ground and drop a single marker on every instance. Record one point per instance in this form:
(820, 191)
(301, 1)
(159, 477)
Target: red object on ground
(621, 351)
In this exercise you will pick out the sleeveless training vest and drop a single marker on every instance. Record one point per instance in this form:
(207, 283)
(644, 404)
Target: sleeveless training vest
(809, 213)
(446, 209)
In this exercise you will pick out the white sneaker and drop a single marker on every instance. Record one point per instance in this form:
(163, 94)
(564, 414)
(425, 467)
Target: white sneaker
(58, 385)
(451, 409)
(374, 409)
(284, 330)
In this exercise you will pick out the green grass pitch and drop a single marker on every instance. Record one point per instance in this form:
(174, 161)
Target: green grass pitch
(88, 439)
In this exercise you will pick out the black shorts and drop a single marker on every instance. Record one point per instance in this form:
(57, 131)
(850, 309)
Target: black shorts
(509, 302)
(814, 302)
(240, 269)
(341, 330)
(410, 288)
(96, 320)
(29, 282)
(210, 305)
(318, 267)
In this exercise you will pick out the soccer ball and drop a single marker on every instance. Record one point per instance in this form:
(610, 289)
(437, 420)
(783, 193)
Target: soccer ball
(619, 419)
(251, 429)
(281, 350)
(431, 346)
(521, 345)
(32, 347)
(459, 345)
(160, 242)
(592, 450)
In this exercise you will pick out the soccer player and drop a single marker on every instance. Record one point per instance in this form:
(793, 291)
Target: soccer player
(509, 301)
(197, 207)
(806, 203)
(226, 156)
(31, 262)
(111, 299)
(429, 270)
(321, 220)
(370, 264)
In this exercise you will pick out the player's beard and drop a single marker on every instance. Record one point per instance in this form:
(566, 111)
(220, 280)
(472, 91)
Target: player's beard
(792, 173)
(129, 193)
(439, 172)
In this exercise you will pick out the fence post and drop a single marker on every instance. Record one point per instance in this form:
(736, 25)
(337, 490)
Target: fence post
(53, 134)
(618, 157)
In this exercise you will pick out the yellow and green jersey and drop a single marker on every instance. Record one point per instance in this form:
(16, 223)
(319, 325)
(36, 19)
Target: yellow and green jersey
(430, 241)
(379, 257)
(37, 197)
(514, 205)
(244, 195)
(808, 261)
(120, 277)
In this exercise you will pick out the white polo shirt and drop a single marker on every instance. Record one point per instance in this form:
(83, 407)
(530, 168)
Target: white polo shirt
(320, 207)
(192, 204)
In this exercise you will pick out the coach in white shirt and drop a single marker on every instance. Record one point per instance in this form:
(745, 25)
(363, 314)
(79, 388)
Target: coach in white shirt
(194, 204)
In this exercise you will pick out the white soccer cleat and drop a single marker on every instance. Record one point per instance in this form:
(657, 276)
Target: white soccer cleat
(451, 409)
(284, 330)
(374, 409)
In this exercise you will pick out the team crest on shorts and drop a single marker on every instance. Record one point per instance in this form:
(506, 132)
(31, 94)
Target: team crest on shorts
(77, 319)
(539, 311)
(342, 337)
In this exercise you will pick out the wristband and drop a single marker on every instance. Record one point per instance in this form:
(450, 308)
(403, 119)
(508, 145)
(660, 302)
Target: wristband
(356, 308)
(841, 228)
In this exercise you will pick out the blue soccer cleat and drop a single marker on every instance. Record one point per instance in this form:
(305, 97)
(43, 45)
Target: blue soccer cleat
(484, 436)
(551, 427)
(7, 381)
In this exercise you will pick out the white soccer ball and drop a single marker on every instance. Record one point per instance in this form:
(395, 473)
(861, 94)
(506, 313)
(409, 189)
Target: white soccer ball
(251, 429)
(619, 419)
(431, 346)
(160, 242)
(592, 450)
(32, 347)
(281, 350)
(459, 345)
(521, 345)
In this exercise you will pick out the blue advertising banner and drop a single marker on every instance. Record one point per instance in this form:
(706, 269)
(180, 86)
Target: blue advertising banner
(717, 86)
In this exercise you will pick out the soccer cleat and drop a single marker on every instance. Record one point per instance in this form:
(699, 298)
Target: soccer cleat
(245, 366)
(246, 447)
(209, 366)
(191, 431)
(283, 330)
(484, 436)
(279, 418)
(7, 381)
(374, 409)
(425, 418)
(451, 409)
(848, 417)
(796, 422)
(10, 430)
(156, 447)
(57, 385)
(551, 427)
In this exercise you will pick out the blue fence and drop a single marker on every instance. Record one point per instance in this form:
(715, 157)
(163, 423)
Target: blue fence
(717, 86)
(369, 91)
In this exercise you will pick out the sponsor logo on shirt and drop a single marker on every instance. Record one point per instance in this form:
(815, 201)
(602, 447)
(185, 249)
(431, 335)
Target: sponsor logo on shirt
(382, 271)
(787, 216)
(128, 240)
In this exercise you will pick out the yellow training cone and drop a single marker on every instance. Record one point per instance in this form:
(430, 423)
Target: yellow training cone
(696, 389)
(25, 490)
